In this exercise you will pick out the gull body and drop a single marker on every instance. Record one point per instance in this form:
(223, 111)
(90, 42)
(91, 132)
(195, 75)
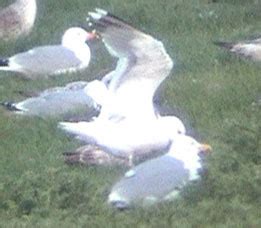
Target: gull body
(127, 138)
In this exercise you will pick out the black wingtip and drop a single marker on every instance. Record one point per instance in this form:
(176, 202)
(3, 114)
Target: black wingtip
(103, 18)
(9, 106)
(222, 44)
(4, 62)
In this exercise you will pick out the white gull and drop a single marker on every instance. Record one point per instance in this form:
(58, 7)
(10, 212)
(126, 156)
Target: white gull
(128, 124)
(71, 55)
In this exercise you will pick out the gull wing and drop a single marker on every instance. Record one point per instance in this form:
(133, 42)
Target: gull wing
(143, 64)
(56, 101)
(46, 60)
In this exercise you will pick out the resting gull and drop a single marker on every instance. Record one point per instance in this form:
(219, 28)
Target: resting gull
(161, 178)
(17, 19)
(92, 155)
(250, 49)
(73, 54)
(55, 101)
(128, 124)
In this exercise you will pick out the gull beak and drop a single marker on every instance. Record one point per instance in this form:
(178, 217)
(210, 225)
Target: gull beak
(92, 35)
(205, 148)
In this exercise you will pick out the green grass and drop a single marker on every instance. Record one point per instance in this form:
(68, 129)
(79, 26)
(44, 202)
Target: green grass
(217, 92)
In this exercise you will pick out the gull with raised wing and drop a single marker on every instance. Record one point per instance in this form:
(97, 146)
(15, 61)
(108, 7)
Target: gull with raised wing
(71, 55)
(17, 19)
(128, 124)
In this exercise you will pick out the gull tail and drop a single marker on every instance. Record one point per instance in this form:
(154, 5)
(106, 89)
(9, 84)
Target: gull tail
(14, 107)
(79, 130)
(226, 45)
(10, 106)
(84, 155)
(117, 201)
(69, 127)
(4, 64)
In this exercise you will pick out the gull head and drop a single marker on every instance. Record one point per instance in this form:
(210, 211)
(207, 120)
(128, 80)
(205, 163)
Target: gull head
(189, 151)
(77, 35)
(187, 148)
(172, 125)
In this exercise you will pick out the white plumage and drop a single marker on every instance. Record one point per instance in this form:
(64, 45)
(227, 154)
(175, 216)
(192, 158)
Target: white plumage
(127, 124)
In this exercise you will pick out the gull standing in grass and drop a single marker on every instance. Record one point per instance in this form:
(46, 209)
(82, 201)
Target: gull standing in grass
(71, 55)
(250, 49)
(17, 19)
(128, 124)
(161, 178)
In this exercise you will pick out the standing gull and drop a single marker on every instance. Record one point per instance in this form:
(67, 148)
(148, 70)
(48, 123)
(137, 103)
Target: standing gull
(17, 19)
(161, 178)
(250, 49)
(128, 124)
(73, 54)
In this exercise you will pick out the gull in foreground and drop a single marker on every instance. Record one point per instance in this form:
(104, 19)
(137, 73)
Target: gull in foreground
(159, 179)
(17, 19)
(127, 124)
(55, 101)
(73, 54)
(250, 49)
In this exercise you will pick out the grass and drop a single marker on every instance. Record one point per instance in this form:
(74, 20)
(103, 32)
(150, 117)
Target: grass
(219, 94)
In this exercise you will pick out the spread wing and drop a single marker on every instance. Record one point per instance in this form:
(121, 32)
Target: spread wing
(143, 64)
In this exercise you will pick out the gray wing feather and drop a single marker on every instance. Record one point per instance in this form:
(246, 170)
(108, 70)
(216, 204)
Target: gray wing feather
(47, 60)
(155, 178)
(58, 101)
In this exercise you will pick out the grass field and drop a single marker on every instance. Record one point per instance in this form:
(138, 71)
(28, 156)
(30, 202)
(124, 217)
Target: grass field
(219, 94)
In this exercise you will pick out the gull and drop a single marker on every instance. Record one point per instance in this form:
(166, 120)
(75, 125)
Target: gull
(71, 55)
(159, 179)
(92, 155)
(127, 138)
(128, 124)
(250, 49)
(17, 19)
(55, 101)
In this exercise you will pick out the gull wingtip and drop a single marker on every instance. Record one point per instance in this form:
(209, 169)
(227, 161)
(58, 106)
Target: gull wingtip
(101, 11)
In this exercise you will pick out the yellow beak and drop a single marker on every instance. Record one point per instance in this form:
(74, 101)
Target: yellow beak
(206, 148)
